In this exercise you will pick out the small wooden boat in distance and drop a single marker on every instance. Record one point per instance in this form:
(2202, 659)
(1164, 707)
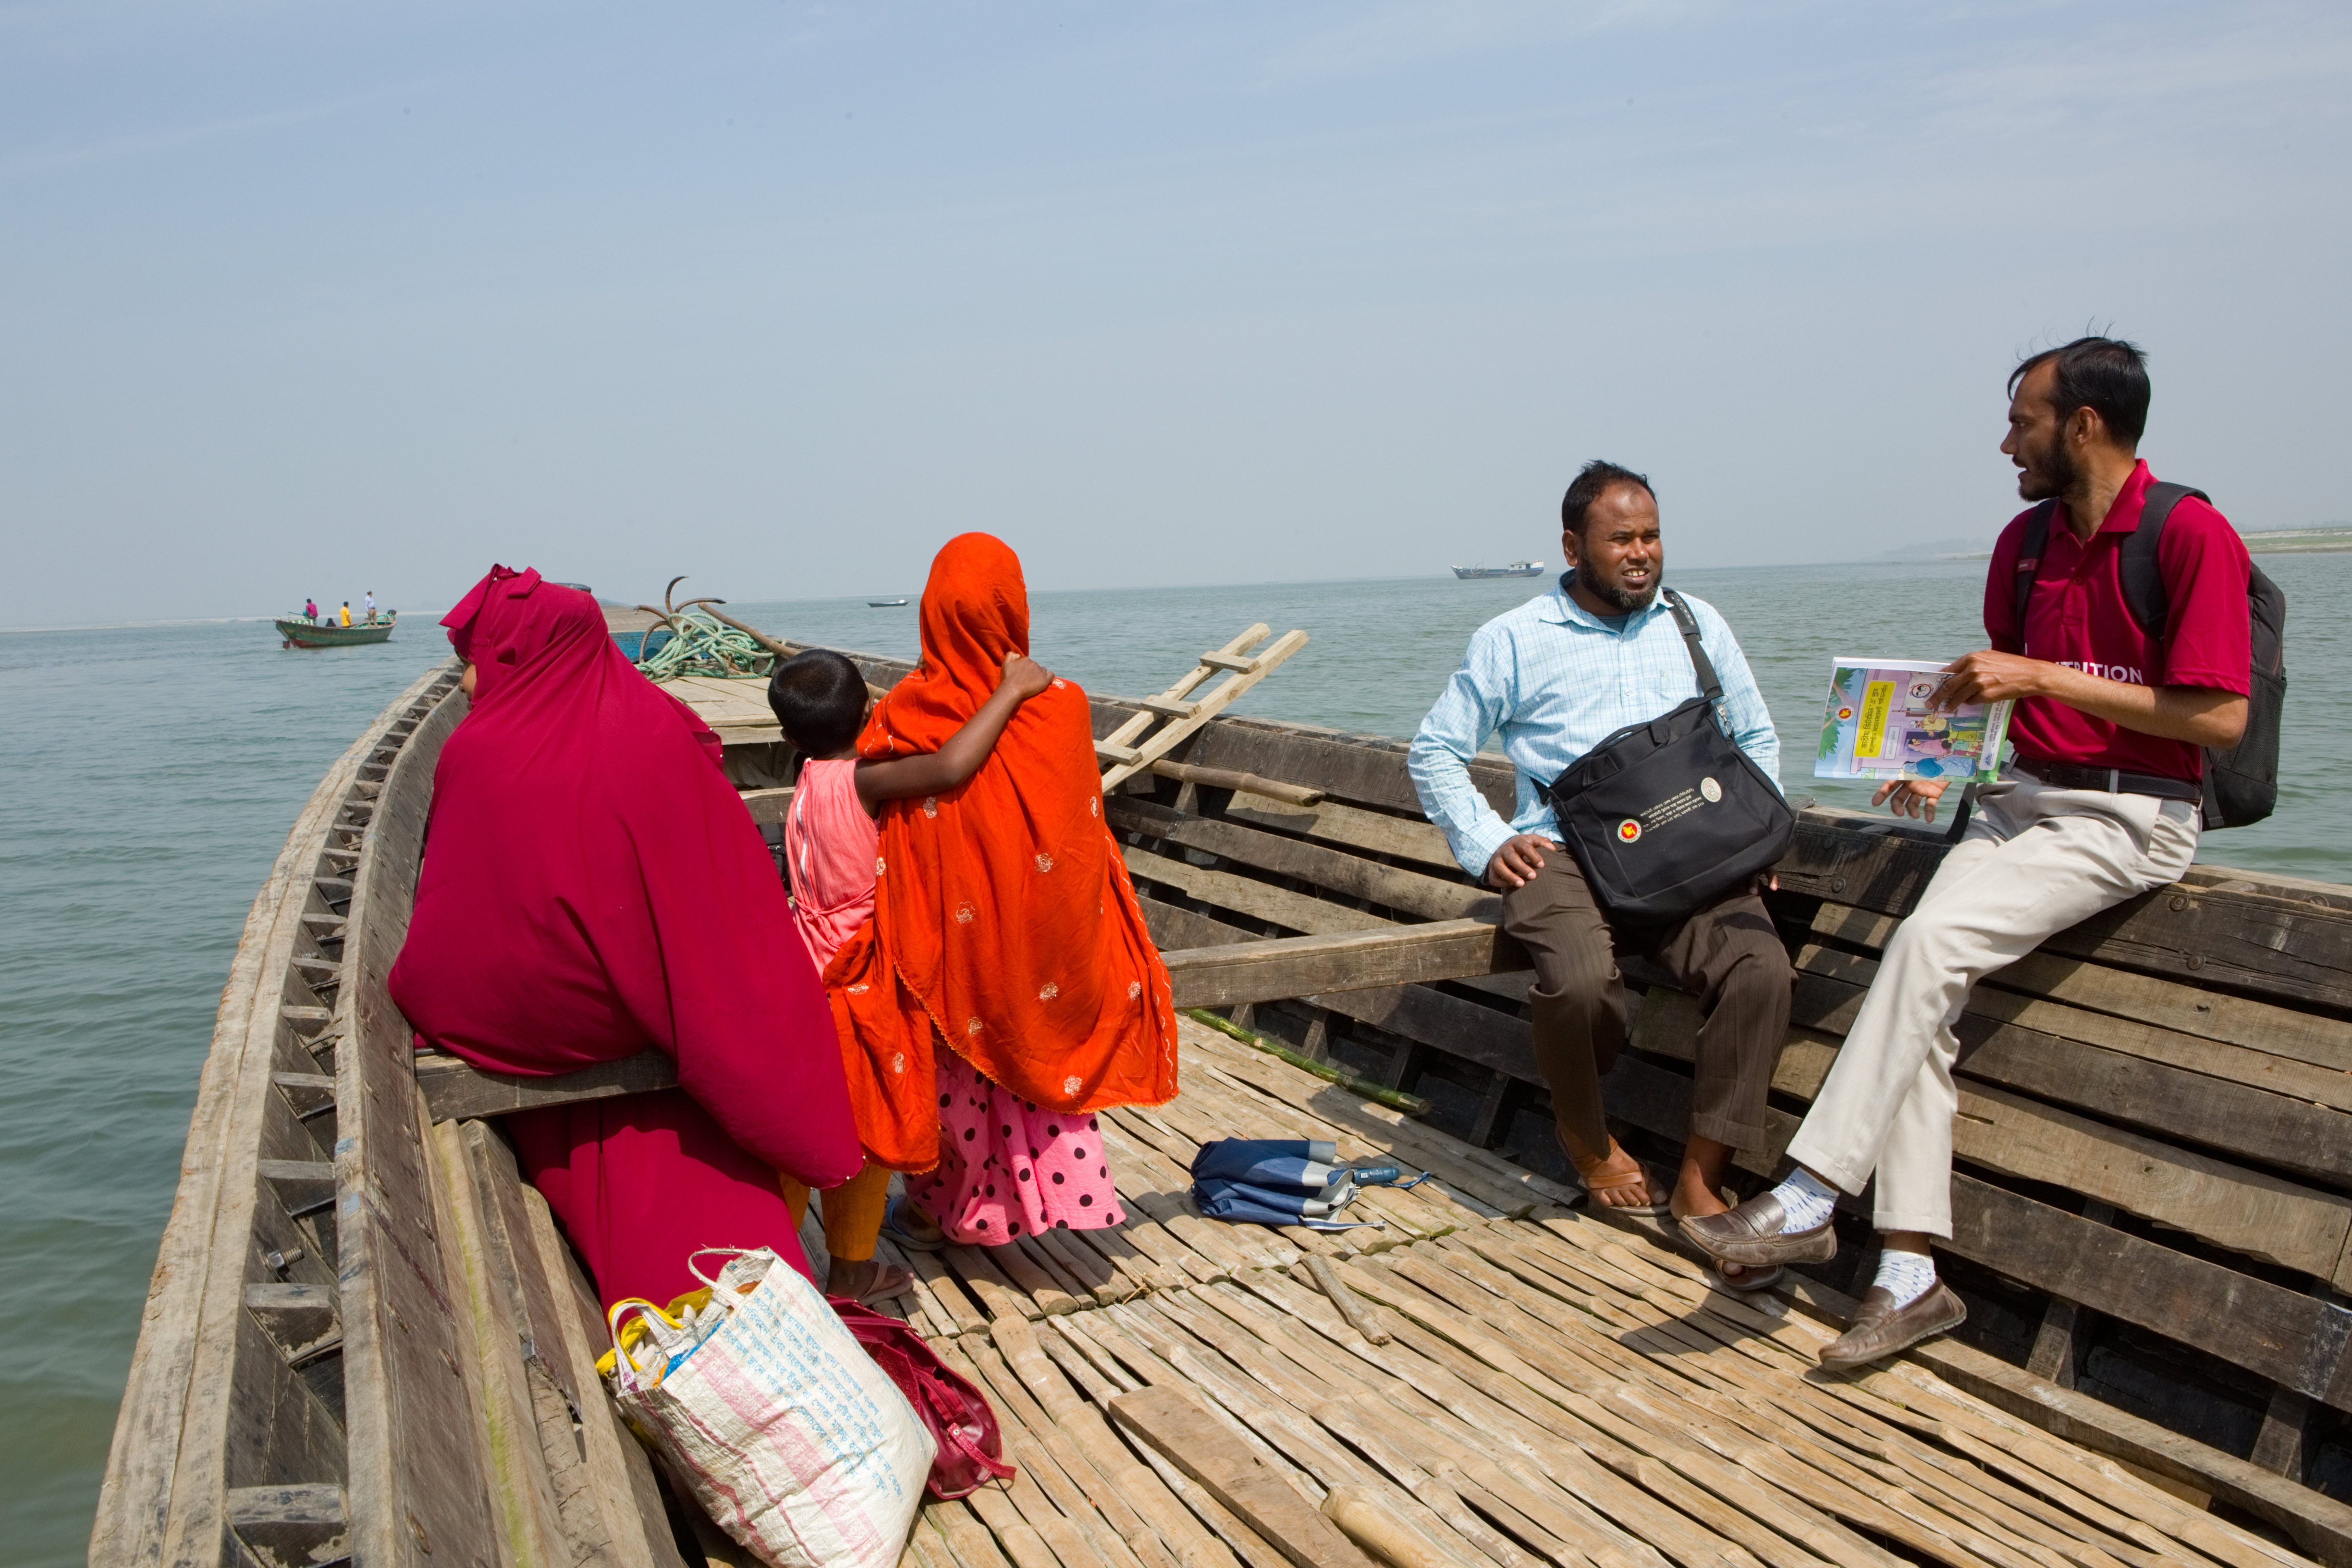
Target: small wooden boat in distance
(300, 633)
(885, 603)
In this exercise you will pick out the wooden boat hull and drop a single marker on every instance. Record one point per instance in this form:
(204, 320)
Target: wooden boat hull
(368, 1398)
(300, 633)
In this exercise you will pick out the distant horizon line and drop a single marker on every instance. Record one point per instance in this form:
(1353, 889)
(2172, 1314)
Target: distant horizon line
(1890, 559)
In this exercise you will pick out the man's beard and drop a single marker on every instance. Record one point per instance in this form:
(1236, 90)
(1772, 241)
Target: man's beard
(2050, 471)
(1624, 600)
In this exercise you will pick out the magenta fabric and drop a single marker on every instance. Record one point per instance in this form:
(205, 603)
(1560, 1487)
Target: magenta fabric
(1008, 1169)
(592, 886)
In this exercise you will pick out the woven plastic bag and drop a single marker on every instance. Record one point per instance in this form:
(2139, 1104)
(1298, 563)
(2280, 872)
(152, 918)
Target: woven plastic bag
(791, 1438)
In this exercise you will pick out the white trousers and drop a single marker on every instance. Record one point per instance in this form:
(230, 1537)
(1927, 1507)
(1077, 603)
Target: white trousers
(2034, 860)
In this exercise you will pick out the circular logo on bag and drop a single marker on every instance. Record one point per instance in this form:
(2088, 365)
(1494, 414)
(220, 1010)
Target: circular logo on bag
(1711, 789)
(1629, 830)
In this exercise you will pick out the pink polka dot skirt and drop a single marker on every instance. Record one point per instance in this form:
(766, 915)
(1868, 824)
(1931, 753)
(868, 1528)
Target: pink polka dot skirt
(1008, 1169)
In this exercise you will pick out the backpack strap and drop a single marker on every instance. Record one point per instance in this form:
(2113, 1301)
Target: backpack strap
(2136, 564)
(2029, 557)
(1709, 686)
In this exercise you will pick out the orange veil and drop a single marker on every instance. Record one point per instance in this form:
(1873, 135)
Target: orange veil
(1004, 920)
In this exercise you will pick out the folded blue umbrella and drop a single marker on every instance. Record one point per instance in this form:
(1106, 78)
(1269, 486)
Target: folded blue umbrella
(1291, 1163)
(1281, 1181)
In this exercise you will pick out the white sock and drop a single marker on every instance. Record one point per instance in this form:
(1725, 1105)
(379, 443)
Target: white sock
(1906, 1276)
(1805, 1200)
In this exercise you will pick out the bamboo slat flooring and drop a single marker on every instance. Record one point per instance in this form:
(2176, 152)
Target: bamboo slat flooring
(1553, 1389)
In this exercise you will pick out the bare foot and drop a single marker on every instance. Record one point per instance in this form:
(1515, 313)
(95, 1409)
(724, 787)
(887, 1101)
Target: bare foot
(869, 1279)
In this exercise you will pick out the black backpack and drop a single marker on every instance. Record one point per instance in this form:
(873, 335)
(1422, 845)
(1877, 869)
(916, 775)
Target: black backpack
(1664, 817)
(2240, 783)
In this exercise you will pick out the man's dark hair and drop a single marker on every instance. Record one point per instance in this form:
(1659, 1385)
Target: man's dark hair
(2106, 375)
(819, 698)
(1591, 484)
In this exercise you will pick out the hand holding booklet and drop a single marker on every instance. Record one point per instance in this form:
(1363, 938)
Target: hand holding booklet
(1882, 723)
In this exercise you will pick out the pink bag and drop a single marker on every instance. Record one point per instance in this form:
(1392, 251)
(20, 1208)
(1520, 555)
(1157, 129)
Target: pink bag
(970, 1452)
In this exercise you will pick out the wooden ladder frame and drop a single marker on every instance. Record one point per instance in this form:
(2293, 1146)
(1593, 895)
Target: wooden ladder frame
(1127, 749)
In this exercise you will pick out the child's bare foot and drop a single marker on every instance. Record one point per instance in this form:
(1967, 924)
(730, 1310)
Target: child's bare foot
(868, 1280)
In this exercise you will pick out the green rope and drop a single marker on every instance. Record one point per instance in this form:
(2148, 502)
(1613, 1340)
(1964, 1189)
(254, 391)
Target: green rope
(701, 645)
(1394, 1098)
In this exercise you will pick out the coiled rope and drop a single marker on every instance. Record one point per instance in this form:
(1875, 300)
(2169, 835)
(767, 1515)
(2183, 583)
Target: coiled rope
(700, 644)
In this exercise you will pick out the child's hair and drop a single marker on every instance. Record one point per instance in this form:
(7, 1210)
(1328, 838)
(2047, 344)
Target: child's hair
(819, 698)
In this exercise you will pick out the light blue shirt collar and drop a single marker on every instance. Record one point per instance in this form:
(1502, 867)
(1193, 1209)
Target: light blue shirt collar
(1558, 609)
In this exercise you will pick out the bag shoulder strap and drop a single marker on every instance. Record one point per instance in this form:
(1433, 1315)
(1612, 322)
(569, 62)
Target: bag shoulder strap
(2029, 558)
(2142, 578)
(1709, 686)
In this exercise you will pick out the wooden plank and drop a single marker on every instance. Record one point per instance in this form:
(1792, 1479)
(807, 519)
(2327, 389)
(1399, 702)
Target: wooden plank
(1172, 927)
(1367, 770)
(2318, 1523)
(2307, 1037)
(457, 1090)
(1227, 778)
(621, 1476)
(1183, 1434)
(1301, 913)
(2291, 1338)
(2245, 1211)
(1298, 966)
(415, 1502)
(1350, 828)
(1349, 876)
(2133, 1072)
(2281, 1334)
(521, 1489)
(2277, 949)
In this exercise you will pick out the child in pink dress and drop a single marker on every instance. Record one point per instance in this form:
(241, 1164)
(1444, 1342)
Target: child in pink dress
(831, 845)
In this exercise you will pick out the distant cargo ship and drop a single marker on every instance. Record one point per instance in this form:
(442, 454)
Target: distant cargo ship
(1515, 569)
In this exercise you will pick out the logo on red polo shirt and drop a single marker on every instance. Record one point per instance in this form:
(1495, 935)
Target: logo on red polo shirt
(2123, 672)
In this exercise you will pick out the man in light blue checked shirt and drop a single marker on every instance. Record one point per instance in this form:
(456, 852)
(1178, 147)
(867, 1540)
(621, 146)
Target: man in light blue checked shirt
(1557, 677)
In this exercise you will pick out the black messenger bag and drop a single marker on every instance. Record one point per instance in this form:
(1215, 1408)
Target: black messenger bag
(1664, 817)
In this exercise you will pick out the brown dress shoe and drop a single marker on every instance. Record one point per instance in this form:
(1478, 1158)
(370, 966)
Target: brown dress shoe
(1881, 1327)
(1751, 1236)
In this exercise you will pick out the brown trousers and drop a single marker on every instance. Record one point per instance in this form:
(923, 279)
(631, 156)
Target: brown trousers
(1727, 955)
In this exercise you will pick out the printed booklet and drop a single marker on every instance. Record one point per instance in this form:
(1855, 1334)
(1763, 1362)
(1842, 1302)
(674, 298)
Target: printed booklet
(1881, 723)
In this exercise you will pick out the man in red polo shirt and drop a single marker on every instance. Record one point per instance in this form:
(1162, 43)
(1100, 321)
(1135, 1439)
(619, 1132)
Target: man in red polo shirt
(2101, 803)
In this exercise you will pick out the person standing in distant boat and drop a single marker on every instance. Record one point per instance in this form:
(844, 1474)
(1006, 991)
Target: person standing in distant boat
(346, 612)
(371, 606)
(1557, 676)
(311, 610)
(2101, 803)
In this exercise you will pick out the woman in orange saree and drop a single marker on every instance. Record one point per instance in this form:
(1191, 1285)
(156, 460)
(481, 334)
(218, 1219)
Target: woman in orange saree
(1005, 929)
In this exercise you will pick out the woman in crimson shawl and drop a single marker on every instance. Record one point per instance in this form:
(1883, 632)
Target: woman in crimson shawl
(592, 886)
(1006, 927)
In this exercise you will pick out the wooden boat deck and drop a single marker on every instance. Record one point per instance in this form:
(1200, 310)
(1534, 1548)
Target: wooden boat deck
(366, 1339)
(1555, 1389)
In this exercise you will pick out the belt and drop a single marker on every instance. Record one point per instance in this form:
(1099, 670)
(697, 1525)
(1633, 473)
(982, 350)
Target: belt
(2111, 781)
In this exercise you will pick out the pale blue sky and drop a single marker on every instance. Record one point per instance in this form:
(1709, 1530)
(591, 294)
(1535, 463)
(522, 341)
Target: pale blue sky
(318, 298)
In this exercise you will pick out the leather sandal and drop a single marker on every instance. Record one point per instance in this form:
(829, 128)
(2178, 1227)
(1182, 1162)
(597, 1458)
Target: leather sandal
(1607, 1175)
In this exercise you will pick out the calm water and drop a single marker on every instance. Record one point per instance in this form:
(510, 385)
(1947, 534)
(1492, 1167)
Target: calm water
(150, 776)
